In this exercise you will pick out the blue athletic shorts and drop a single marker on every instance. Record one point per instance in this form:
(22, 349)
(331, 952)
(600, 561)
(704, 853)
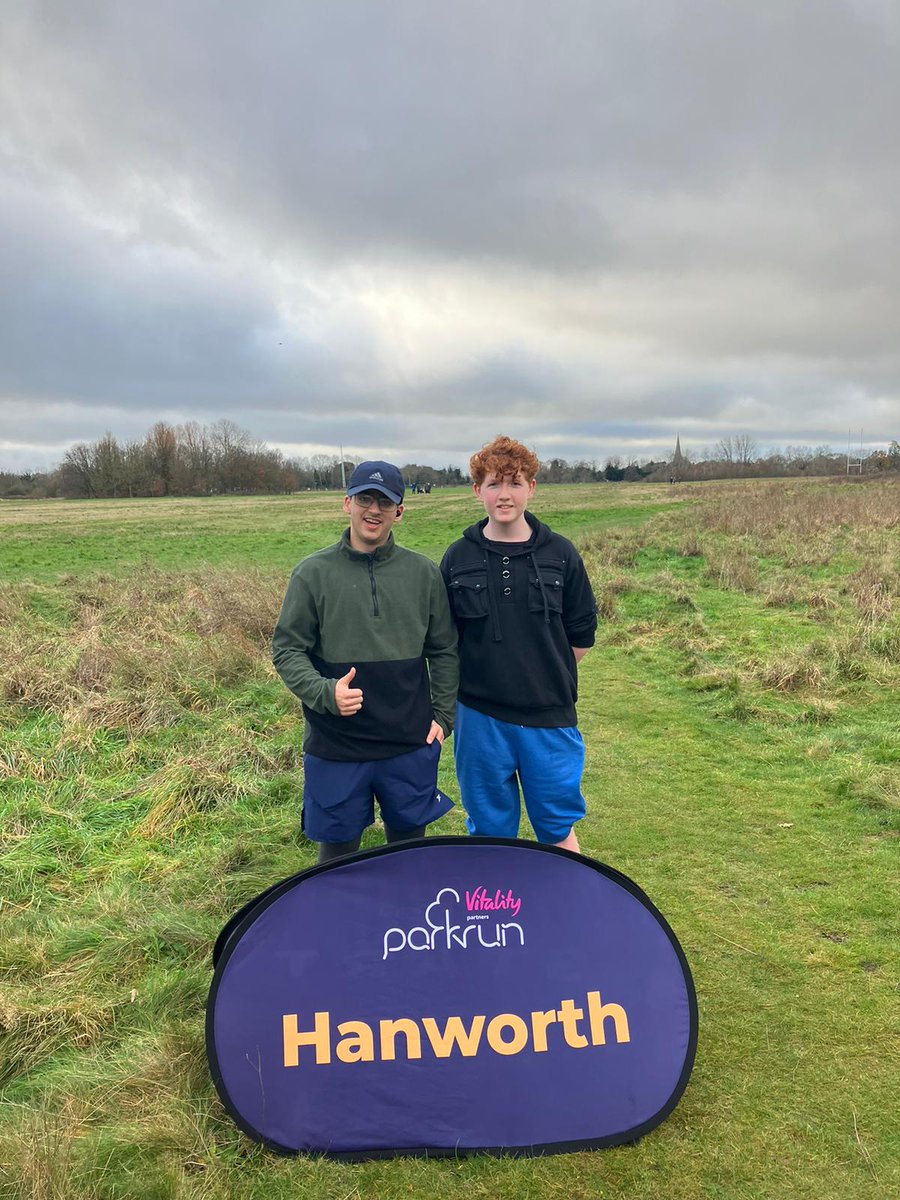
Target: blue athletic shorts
(339, 797)
(493, 757)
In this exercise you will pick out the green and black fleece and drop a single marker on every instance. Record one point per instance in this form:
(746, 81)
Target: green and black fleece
(385, 613)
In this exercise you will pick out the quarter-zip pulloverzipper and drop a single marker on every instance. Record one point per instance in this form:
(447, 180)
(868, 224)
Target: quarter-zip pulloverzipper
(371, 565)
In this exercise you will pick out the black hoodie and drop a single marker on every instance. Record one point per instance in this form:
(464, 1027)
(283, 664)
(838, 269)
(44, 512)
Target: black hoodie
(519, 608)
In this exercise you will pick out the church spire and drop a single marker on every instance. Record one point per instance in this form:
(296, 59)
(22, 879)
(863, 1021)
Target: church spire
(677, 463)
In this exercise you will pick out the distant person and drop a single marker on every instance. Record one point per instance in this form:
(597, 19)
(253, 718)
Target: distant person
(365, 639)
(526, 615)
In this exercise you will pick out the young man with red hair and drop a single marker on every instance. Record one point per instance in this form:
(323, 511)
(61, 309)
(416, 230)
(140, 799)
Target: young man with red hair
(525, 615)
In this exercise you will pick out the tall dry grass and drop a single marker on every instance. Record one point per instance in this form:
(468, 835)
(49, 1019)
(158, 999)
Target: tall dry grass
(828, 539)
(801, 510)
(827, 552)
(608, 555)
(133, 654)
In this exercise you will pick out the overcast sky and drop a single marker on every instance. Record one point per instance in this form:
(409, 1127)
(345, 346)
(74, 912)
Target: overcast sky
(404, 226)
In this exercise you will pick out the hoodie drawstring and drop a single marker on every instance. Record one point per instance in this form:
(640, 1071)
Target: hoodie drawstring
(542, 588)
(496, 635)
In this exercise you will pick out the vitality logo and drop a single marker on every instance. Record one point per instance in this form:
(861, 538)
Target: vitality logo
(450, 924)
(480, 900)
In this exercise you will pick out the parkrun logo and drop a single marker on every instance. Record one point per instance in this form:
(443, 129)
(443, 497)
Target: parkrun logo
(506, 1033)
(440, 932)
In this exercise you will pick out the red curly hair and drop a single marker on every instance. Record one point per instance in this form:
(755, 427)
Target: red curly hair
(503, 456)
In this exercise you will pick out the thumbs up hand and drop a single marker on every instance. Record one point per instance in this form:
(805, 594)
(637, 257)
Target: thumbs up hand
(348, 699)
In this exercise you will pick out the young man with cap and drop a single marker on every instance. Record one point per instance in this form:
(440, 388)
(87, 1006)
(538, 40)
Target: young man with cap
(526, 615)
(365, 640)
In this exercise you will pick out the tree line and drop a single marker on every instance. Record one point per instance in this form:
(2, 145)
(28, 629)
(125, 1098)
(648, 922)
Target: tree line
(193, 460)
(222, 458)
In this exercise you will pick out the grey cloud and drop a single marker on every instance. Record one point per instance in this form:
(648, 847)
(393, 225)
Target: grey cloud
(470, 128)
(88, 315)
(689, 203)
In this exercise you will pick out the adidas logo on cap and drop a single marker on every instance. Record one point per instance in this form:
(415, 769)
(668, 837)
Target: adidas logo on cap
(383, 476)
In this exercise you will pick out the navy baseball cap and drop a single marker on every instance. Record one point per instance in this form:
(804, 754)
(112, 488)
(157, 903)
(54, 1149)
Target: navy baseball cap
(377, 477)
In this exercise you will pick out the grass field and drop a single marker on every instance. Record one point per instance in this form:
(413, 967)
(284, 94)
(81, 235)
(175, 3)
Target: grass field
(741, 716)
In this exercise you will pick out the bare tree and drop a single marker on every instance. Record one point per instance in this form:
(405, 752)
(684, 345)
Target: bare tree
(162, 446)
(136, 468)
(324, 467)
(745, 448)
(195, 452)
(737, 449)
(109, 468)
(230, 445)
(79, 470)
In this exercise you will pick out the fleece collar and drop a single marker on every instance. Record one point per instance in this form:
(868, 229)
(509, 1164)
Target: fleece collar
(382, 554)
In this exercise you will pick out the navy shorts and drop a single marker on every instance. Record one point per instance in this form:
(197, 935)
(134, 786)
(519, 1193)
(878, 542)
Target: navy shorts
(339, 797)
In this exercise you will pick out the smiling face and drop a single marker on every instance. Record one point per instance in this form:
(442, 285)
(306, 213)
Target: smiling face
(372, 517)
(505, 498)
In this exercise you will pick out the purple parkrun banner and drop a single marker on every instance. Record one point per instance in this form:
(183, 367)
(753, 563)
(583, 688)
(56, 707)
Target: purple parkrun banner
(450, 996)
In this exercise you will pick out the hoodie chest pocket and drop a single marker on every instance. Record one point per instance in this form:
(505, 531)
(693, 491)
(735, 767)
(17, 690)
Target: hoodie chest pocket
(468, 593)
(546, 588)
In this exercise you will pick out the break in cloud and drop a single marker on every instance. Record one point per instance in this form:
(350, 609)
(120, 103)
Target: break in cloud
(405, 227)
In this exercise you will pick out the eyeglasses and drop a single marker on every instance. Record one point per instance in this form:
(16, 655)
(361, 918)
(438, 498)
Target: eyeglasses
(367, 499)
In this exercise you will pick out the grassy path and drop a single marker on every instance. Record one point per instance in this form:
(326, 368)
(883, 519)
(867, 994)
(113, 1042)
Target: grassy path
(766, 877)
